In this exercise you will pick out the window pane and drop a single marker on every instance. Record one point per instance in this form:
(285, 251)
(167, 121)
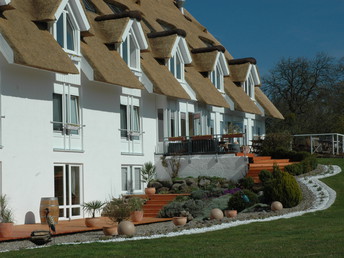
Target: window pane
(183, 123)
(179, 67)
(75, 186)
(191, 125)
(59, 30)
(136, 119)
(218, 78)
(57, 112)
(125, 51)
(161, 125)
(74, 112)
(124, 120)
(133, 52)
(58, 184)
(70, 35)
(124, 178)
(137, 179)
(172, 63)
(172, 124)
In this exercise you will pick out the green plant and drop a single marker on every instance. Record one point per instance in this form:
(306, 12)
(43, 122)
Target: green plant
(148, 172)
(264, 176)
(136, 203)
(117, 209)
(198, 194)
(173, 209)
(239, 203)
(276, 141)
(294, 169)
(6, 214)
(284, 188)
(246, 182)
(92, 207)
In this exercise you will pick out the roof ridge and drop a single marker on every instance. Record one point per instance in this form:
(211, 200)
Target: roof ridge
(166, 33)
(131, 14)
(208, 49)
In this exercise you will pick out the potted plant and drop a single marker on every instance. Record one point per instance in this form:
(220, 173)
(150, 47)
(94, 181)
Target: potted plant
(136, 205)
(6, 218)
(118, 210)
(91, 208)
(148, 173)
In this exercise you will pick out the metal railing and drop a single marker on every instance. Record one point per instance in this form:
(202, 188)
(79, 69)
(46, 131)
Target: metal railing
(203, 144)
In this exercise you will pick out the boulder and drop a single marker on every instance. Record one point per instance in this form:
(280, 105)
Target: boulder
(191, 181)
(156, 184)
(204, 182)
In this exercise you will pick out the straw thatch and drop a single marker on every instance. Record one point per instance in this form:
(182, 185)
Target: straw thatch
(239, 72)
(205, 61)
(270, 109)
(241, 100)
(108, 65)
(205, 90)
(110, 31)
(161, 47)
(31, 46)
(163, 81)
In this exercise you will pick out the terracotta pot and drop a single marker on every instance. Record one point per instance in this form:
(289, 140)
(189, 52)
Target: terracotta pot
(179, 221)
(92, 222)
(216, 214)
(136, 216)
(276, 206)
(6, 229)
(231, 213)
(150, 190)
(111, 230)
(126, 228)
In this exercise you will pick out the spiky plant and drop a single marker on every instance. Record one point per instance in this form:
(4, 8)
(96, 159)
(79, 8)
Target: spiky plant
(148, 172)
(6, 215)
(92, 207)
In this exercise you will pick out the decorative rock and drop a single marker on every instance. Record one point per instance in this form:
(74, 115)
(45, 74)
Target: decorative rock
(157, 185)
(276, 206)
(203, 182)
(191, 181)
(175, 186)
(216, 214)
(126, 228)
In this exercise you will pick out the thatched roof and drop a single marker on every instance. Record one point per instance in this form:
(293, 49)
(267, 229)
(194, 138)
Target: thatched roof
(31, 46)
(205, 90)
(161, 47)
(239, 72)
(205, 61)
(242, 101)
(163, 81)
(270, 109)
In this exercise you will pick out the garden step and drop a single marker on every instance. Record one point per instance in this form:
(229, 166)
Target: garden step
(280, 164)
(261, 158)
(271, 161)
(240, 154)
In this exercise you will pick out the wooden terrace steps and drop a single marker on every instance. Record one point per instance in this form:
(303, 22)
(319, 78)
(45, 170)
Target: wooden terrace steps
(155, 203)
(257, 164)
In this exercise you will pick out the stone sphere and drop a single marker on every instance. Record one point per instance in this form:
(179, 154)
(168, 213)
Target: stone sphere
(276, 206)
(216, 214)
(126, 228)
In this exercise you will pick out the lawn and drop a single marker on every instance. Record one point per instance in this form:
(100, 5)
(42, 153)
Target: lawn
(319, 234)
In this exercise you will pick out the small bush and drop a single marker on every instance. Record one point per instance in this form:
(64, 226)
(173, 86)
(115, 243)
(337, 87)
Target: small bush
(274, 141)
(236, 202)
(284, 188)
(198, 194)
(220, 203)
(264, 176)
(294, 169)
(246, 182)
(173, 209)
(305, 166)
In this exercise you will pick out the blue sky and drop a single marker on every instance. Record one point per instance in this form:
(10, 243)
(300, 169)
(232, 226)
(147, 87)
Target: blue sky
(271, 29)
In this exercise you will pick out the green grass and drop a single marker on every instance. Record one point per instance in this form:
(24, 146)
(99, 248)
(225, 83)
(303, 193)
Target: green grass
(318, 234)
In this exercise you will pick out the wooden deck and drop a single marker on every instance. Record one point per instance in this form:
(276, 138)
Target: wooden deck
(22, 232)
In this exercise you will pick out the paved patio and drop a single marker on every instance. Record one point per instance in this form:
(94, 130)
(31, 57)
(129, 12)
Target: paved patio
(21, 232)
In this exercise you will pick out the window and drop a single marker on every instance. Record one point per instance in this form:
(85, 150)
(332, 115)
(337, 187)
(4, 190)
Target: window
(216, 77)
(130, 121)
(176, 66)
(131, 178)
(67, 33)
(66, 112)
(116, 8)
(161, 125)
(249, 86)
(130, 51)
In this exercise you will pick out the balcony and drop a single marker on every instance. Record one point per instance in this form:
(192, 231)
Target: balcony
(203, 144)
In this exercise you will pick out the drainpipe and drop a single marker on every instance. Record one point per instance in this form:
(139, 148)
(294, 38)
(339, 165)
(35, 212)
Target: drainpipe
(180, 4)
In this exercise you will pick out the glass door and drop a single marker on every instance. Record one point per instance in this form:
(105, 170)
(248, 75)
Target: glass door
(131, 179)
(68, 190)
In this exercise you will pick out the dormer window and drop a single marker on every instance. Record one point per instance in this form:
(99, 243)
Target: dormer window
(176, 66)
(216, 77)
(249, 86)
(130, 51)
(66, 33)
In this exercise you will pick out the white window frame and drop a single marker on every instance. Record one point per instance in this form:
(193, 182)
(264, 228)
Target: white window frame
(249, 86)
(173, 67)
(76, 30)
(128, 183)
(131, 38)
(131, 102)
(216, 74)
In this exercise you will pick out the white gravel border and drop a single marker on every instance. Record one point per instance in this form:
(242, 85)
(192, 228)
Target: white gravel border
(325, 197)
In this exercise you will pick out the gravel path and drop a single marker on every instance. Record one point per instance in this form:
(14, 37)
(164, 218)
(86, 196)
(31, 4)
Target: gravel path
(313, 198)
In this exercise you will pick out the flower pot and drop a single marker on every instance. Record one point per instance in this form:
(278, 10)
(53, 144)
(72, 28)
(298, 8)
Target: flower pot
(179, 221)
(136, 216)
(231, 213)
(126, 228)
(6, 229)
(111, 230)
(92, 222)
(150, 190)
(216, 214)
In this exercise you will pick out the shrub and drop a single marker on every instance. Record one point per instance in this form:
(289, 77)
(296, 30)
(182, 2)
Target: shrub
(198, 194)
(220, 203)
(246, 182)
(274, 141)
(117, 209)
(264, 176)
(284, 188)
(294, 169)
(305, 166)
(236, 202)
(173, 209)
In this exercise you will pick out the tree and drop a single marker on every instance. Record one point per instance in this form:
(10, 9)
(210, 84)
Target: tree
(308, 92)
